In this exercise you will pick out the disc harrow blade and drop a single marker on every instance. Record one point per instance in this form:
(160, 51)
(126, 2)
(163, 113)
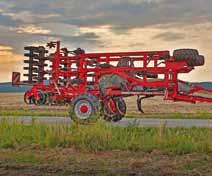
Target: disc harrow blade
(31, 48)
(31, 55)
(30, 75)
(31, 62)
(33, 69)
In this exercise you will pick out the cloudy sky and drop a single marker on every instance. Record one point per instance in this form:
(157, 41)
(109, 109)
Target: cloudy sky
(106, 25)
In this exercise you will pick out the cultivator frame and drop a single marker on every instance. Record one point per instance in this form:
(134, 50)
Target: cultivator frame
(97, 82)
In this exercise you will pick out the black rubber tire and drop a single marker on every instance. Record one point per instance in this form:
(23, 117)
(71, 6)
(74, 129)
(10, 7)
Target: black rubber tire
(119, 113)
(200, 61)
(121, 109)
(42, 100)
(191, 56)
(185, 51)
(28, 99)
(92, 102)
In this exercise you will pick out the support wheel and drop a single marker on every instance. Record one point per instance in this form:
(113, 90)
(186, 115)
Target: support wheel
(28, 99)
(41, 99)
(114, 109)
(84, 109)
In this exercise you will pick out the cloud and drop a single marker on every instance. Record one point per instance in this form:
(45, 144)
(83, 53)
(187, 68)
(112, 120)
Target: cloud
(169, 36)
(73, 37)
(7, 51)
(121, 15)
(31, 29)
(112, 25)
(28, 17)
(9, 61)
(5, 48)
(132, 14)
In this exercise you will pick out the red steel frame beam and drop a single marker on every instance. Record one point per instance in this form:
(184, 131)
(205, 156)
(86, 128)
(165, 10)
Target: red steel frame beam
(77, 66)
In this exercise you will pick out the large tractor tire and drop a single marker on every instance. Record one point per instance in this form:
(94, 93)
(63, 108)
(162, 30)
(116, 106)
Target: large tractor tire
(114, 109)
(84, 109)
(191, 56)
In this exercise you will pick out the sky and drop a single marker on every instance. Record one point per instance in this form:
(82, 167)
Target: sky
(106, 26)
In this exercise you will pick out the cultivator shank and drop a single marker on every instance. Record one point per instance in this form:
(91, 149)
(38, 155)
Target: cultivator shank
(96, 83)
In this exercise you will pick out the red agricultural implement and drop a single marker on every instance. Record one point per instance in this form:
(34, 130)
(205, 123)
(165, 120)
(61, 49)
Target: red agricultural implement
(96, 83)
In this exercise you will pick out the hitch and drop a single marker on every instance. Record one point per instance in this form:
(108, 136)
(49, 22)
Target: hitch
(16, 76)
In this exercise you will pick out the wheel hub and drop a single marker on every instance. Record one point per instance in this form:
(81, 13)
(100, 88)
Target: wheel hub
(112, 106)
(84, 108)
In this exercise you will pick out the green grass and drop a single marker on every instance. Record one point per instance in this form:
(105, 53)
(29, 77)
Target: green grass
(102, 137)
(23, 158)
(17, 112)
(199, 115)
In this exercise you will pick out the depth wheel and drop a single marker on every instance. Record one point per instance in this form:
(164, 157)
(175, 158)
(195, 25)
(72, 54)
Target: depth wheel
(42, 99)
(114, 109)
(28, 99)
(84, 109)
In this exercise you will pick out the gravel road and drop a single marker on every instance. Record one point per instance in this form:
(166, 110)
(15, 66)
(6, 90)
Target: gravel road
(171, 123)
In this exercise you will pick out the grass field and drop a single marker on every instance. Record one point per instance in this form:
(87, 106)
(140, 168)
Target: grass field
(12, 104)
(102, 136)
(100, 149)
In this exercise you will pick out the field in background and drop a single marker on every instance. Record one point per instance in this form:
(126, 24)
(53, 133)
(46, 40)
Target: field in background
(12, 104)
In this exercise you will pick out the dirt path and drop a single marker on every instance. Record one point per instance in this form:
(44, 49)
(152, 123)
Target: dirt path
(155, 105)
(73, 162)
